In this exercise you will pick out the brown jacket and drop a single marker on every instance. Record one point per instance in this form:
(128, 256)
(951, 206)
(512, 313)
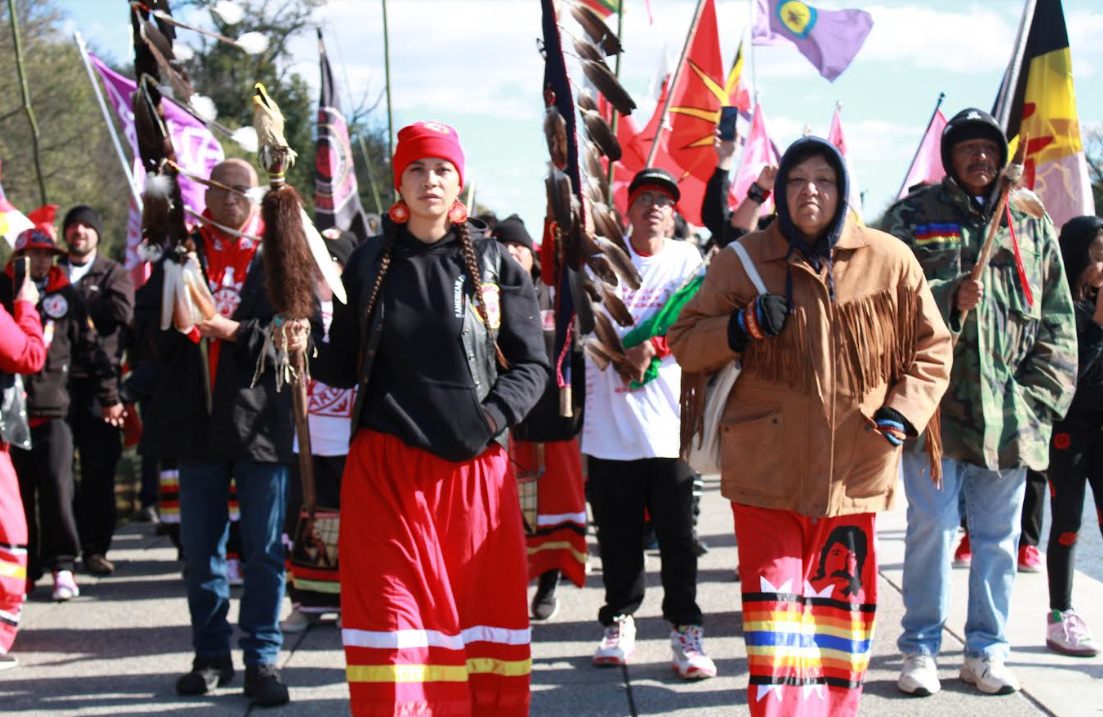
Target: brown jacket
(797, 430)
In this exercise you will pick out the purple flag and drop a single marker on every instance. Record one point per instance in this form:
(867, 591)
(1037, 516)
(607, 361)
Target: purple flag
(197, 150)
(828, 38)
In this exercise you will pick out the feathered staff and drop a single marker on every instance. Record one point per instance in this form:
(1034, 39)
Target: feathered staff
(582, 228)
(1009, 192)
(186, 299)
(291, 245)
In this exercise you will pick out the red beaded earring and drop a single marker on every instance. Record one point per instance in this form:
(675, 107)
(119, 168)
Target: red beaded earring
(399, 212)
(458, 213)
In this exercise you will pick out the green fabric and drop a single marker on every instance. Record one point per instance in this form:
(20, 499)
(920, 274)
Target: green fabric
(1014, 367)
(658, 323)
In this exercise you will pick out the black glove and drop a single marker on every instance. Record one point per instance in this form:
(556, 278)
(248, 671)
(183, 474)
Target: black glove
(892, 425)
(763, 318)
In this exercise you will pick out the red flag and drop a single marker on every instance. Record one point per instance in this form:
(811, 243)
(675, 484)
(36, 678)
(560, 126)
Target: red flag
(835, 137)
(701, 92)
(927, 168)
(605, 8)
(759, 152)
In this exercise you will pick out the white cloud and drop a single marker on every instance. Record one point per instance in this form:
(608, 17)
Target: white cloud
(969, 41)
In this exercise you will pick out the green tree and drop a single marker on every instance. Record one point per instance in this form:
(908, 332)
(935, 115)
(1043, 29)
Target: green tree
(79, 164)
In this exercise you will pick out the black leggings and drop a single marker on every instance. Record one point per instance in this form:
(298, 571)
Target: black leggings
(1075, 459)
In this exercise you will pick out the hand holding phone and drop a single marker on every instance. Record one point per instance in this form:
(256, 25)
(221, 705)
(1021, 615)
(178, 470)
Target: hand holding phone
(21, 280)
(726, 125)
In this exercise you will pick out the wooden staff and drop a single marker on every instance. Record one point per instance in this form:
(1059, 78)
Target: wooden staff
(1007, 180)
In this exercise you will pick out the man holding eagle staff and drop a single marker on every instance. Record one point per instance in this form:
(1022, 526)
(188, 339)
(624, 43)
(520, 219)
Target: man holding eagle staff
(1013, 374)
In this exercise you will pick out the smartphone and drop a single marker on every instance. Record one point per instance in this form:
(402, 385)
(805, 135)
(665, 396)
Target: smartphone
(20, 271)
(728, 115)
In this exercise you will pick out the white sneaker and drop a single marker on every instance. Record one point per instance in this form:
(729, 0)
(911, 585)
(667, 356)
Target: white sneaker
(8, 661)
(65, 586)
(619, 642)
(919, 676)
(298, 621)
(1067, 633)
(234, 576)
(990, 675)
(688, 653)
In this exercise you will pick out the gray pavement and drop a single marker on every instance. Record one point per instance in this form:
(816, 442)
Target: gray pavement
(118, 648)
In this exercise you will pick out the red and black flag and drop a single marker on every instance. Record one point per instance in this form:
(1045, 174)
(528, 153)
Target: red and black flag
(336, 192)
(1037, 98)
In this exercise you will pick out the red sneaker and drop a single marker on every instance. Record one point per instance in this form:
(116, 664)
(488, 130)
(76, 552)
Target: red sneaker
(1030, 560)
(963, 556)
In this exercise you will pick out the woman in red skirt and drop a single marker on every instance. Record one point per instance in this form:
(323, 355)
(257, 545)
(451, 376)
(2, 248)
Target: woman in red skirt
(441, 336)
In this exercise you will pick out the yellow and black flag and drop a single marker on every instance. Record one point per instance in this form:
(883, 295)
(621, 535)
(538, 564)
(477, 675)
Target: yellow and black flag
(1037, 98)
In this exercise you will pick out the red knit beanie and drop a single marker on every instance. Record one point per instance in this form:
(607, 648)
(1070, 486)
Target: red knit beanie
(426, 139)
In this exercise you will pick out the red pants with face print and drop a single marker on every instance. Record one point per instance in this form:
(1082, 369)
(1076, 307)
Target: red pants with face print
(433, 583)
(13, 552)
(809, 598)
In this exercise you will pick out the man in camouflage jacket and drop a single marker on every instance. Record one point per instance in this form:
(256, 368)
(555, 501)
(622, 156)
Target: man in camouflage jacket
(1013, 377)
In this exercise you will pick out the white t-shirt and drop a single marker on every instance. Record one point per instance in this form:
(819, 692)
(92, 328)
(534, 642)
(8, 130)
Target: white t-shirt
(78, 271)
(627, 424)
(329, 411)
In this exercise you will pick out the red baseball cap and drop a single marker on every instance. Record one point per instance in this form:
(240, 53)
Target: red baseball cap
(42, 235)
(426, 139)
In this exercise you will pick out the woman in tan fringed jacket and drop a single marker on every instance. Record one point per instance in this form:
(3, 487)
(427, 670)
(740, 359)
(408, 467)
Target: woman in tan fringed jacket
(845, 358)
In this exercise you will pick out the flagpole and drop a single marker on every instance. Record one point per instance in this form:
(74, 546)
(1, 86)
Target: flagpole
(387, 74)
(26, 93)
(616, 72)
(107, 118)
(750, 42)
(367, 167)
(934, 113)
(1002, 108)
(673, 86)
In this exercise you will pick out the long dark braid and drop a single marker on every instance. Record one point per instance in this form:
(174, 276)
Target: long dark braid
(472, 264)
(390, 236)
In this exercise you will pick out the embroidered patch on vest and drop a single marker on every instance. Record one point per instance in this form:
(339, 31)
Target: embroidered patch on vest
(492, 304)
(948, 233)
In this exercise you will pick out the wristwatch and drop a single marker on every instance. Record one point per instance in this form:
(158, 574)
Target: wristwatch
(757, 194)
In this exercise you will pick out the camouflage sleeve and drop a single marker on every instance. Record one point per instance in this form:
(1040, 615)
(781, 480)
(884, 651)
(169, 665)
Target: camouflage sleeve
(1048, 374)
(941, 263)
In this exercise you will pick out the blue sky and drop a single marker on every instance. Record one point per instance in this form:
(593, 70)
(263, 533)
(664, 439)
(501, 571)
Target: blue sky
(474, 64)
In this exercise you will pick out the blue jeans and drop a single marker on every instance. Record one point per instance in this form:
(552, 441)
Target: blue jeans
(993, 507)
(204, 527)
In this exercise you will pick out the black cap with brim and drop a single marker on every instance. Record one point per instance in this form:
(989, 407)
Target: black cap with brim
(655, 177)
(340, 243)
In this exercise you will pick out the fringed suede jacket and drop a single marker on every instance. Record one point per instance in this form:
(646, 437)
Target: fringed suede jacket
(798, 431)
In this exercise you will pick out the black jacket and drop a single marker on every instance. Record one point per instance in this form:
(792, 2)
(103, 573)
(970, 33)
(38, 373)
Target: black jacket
(243, 422)
(715, 213)
(1087, 403)
(66, 332)
(544, 422)
(428, 371)
(108, 294)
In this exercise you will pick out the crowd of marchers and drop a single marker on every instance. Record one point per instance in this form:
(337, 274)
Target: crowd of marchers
(462, 425)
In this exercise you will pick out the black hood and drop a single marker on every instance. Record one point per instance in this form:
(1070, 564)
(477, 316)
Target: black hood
(970, 123)
(1076, 236)
(799, 151)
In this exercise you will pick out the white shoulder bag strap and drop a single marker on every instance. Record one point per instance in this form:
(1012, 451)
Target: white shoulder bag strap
(748, 266)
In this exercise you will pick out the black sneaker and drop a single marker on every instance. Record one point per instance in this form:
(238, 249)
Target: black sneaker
(544, 602)
(206, 674)
(263, 686)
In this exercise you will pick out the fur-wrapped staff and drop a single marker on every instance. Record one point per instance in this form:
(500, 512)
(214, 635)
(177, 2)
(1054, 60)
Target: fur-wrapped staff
(290, 243)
